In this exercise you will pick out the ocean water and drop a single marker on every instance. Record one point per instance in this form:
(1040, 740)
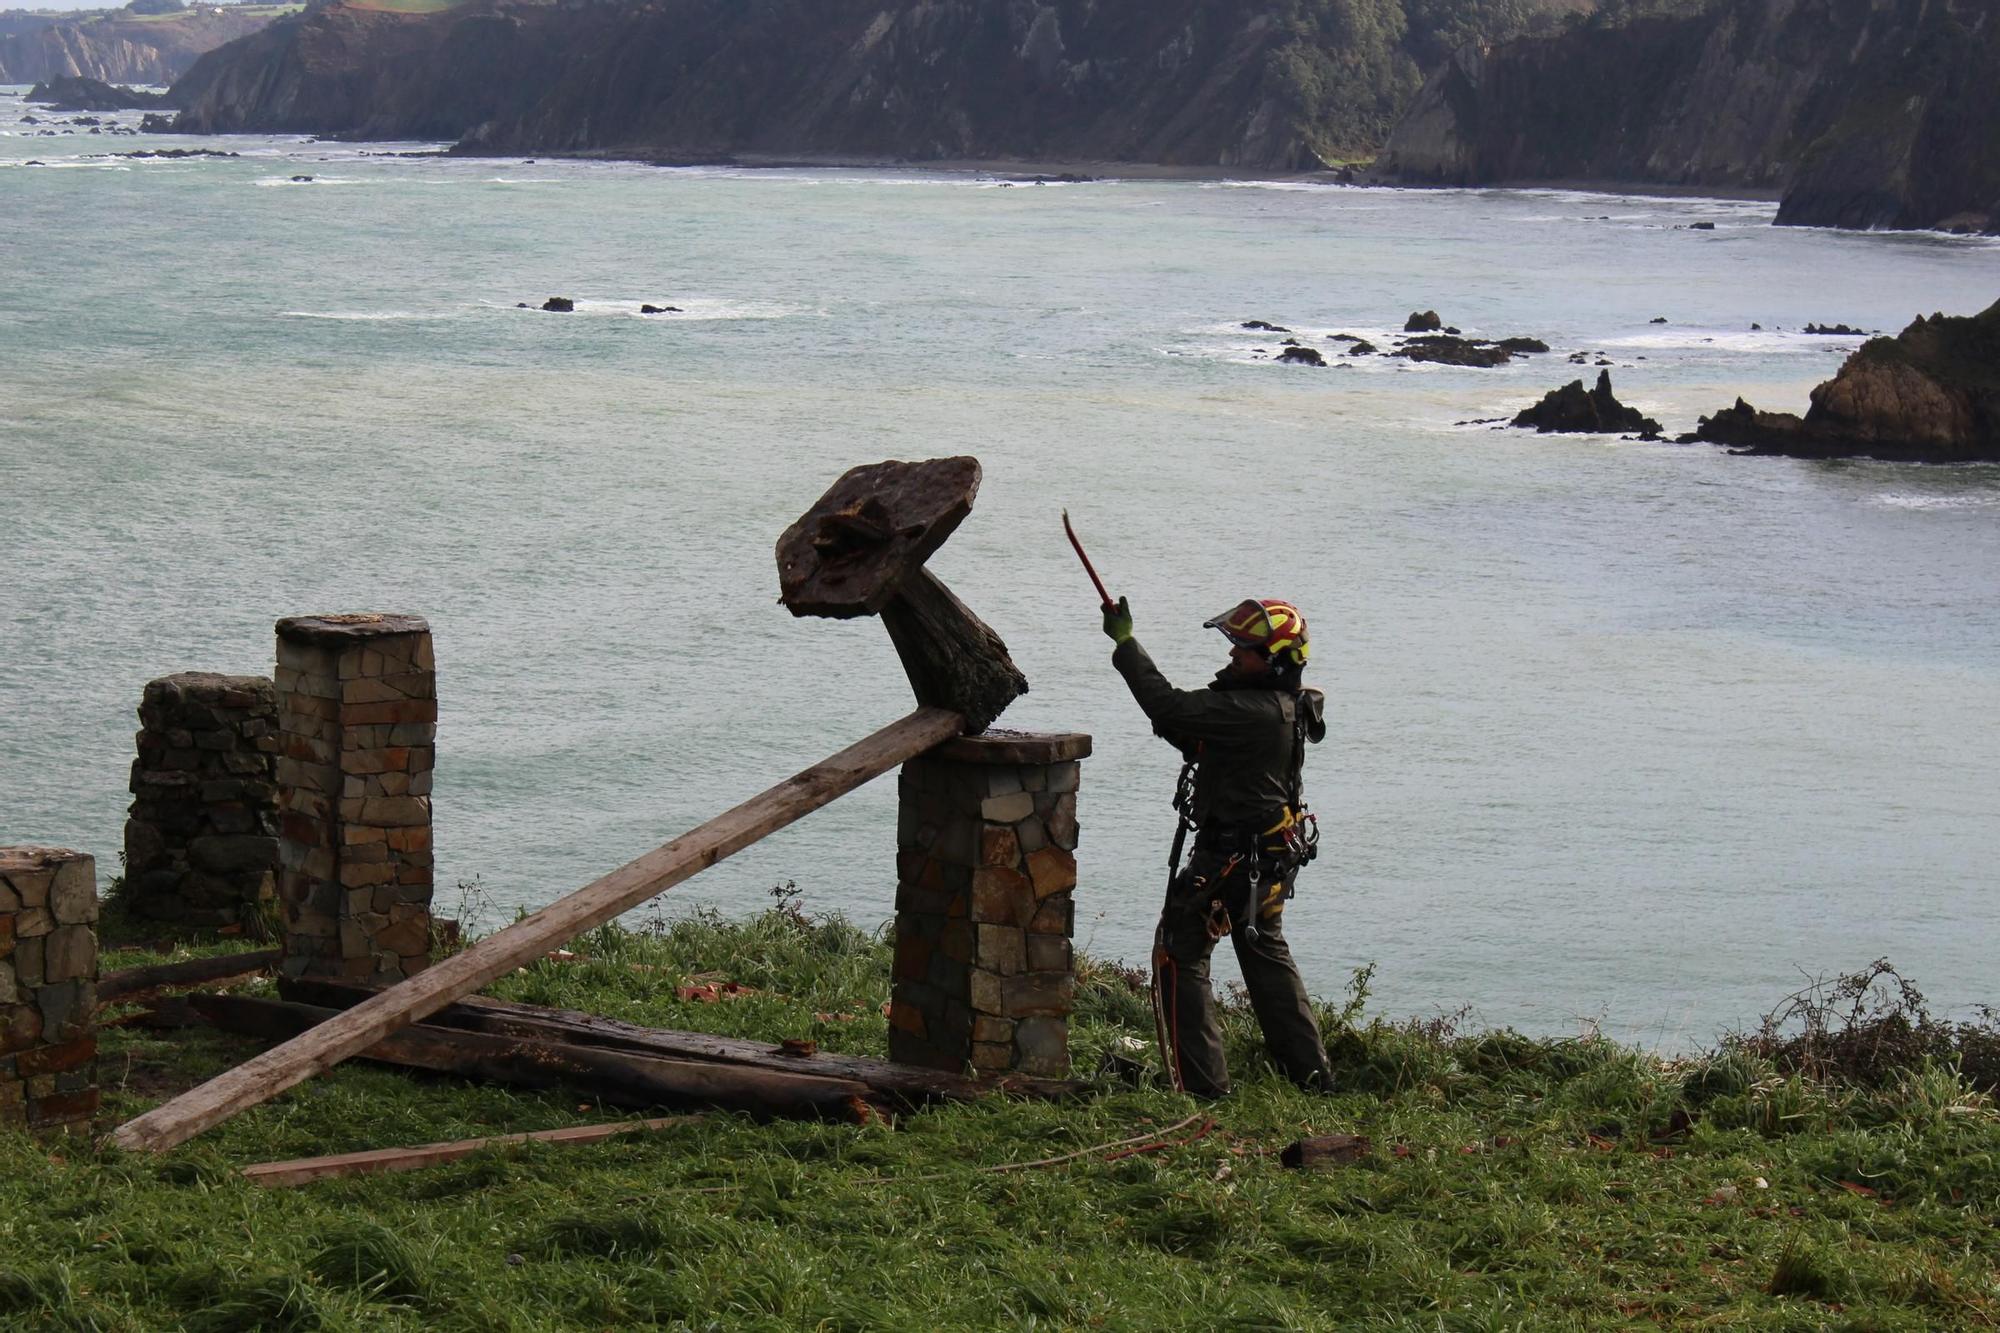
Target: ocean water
(1624, 734)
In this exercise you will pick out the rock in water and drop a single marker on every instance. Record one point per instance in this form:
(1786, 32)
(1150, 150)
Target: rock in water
(1572, 409)
(1929, 395)
(659, 310)
(1264, 326)
(1302, 356)
(562, 305)
(1454, 351)
(1423, 321)
(75, 93)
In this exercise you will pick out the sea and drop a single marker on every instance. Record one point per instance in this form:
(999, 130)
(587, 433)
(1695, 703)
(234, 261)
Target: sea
(1626, 737)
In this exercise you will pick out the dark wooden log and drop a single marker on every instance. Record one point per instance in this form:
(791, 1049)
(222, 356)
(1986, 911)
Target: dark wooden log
(909, 1085)
(953, 658)
(128, 983)
(849, 554)
(617, 1077)
(1326, 1150)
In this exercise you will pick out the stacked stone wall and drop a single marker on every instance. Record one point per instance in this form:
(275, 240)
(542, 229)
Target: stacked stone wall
(48, 987)
(201, 845)
(357, 707)
(986, 871)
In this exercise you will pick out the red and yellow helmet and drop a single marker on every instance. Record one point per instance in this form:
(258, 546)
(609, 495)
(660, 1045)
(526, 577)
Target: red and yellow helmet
(1273, 628)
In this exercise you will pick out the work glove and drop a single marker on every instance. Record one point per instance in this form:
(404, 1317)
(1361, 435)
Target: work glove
(1118, 621)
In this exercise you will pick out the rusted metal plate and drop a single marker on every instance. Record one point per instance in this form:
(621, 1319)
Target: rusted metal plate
(849, 553)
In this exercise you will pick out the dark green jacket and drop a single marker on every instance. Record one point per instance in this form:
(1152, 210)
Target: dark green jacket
(1243, 740)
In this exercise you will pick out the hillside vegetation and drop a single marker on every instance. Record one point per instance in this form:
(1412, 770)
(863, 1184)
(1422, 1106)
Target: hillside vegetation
(1838, 1170)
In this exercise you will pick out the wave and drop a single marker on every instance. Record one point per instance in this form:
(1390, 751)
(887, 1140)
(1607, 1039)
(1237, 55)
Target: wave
(1753, 341)
(686, 309)
(1911, 500)
(370, 316)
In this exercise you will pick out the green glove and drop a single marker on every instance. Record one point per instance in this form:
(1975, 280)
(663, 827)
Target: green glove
(1118, 622)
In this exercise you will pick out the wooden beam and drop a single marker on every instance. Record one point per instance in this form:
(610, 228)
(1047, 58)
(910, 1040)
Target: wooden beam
(303, 1170)
(910, 1084)
(121, 986)
(618, 1077)
(357, 1029)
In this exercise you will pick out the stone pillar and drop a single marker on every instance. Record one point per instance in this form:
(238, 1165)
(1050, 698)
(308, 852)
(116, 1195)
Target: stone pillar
(201, 844)
(986, 864)
(48, 987)
(357, 709)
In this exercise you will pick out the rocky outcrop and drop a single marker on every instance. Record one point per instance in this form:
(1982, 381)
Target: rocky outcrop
(1170, 81)
(1860, 113)
(76, 93)
(1929, 395)
(1572, 409)
(116, 46)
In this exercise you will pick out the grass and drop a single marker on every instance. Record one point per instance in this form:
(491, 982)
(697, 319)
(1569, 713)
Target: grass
(1512, 1184)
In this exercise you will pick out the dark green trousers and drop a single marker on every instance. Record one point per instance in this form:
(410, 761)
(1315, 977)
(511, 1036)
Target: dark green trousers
(1277, 995)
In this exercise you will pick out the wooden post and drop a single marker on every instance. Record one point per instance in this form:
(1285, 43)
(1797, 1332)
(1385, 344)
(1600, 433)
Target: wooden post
(356, 1029)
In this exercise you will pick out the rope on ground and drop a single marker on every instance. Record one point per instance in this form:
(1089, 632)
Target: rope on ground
(1156, 1140)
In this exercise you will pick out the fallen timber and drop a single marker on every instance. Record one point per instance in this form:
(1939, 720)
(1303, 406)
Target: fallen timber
(902, 1085)
(859, 551)
(355, 1030)
(619, 1078)
(130, 983)
(374, 1161)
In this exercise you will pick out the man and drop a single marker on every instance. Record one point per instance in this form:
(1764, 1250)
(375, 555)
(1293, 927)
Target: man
(1244, 740)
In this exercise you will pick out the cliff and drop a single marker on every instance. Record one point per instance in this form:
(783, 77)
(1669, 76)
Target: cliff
(1930, 395)
(1861, 113)
(1259, 84)
(117, 46)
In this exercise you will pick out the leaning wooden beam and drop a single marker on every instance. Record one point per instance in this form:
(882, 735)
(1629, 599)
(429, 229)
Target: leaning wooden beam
(911, 1084)
(357, 1029)
(121, 986)
(303, 1170)
(618, 1077)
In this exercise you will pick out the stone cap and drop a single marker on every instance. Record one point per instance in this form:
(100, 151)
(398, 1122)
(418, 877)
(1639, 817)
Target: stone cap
(20, 860)
(210, 687)
(349, 628)
(999, 746)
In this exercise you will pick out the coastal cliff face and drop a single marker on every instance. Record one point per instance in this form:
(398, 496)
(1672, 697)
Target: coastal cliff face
(1862, 113)
(1170, 81)
(1930, 395)
(116, 47)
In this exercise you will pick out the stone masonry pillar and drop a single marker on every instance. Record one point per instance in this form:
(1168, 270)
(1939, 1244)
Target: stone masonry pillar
(48, 987)
(357, 709)
(201, 844)
(986, 866)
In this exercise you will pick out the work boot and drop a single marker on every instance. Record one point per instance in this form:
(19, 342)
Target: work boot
(1319, 1083)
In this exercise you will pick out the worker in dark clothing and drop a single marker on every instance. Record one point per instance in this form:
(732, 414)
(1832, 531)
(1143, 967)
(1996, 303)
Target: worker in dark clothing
(1244, 740)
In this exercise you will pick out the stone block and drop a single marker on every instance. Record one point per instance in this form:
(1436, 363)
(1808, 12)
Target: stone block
(73, 891)
(905, 1016)
(362, 875)
(20, 1028)
(1029, 835)
(989, 1057)
(407, 937)
(1008, 809)
(1061, 825)
(1034, 777)
(67, 1009)
(912, 959)
(1064, 777)
(62, 1107)
(9, 986)
(1037, 994)
(988, 1028)
(6, 934)
(1002, 949)
(394, 811)
(234, 853)
(1052, 870)
(33, 922)
(1049, 953)
(1002, 897)
(998, 846)
(1002, 780)
(10, 901)
(71, 956)
(986, 993)
(1041, 1047)
(28, 961)
(1056, 916)
(955, 940)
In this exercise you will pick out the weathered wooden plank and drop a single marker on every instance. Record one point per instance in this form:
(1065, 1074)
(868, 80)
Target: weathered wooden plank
(358, 1028)
(911, 1084)
(304, 1170)
(122, 985)
(621, 1078)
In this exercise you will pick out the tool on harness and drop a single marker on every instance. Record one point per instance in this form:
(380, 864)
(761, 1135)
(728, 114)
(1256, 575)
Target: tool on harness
(1163, 961)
